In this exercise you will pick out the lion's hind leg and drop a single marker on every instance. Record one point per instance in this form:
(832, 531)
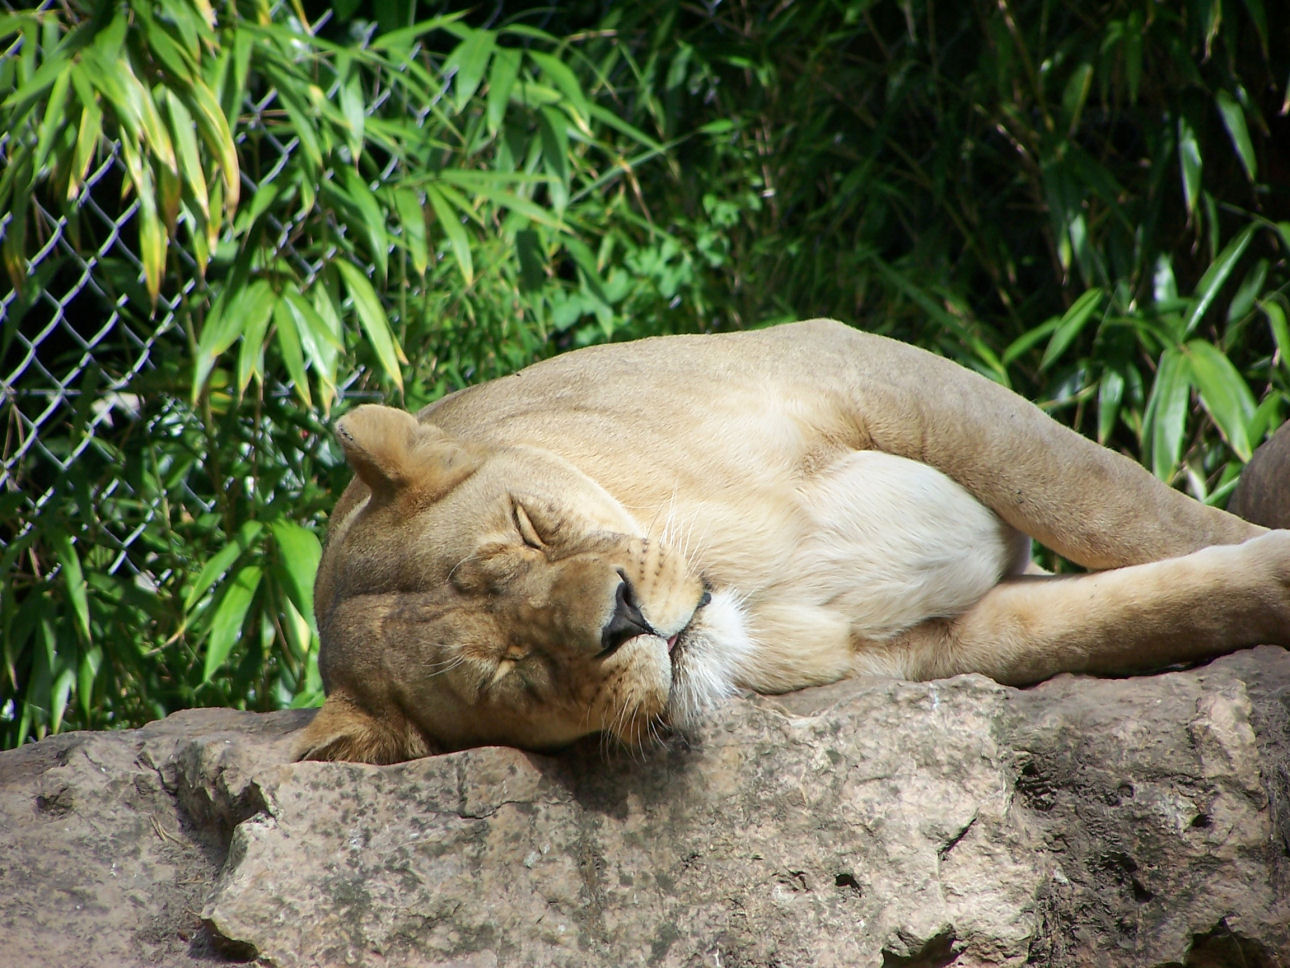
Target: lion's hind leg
(1131, 619)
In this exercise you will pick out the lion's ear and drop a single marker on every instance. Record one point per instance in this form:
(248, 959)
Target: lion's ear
(391, 450)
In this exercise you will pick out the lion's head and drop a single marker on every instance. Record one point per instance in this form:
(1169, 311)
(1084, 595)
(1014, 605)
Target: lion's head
(472, 595)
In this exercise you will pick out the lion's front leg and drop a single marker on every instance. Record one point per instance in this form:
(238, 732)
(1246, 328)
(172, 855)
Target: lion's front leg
(1129, 619)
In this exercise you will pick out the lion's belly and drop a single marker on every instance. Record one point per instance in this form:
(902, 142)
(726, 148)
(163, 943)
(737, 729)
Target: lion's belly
(891, 542)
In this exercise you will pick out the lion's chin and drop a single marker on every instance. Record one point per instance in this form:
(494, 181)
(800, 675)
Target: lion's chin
(708, 661)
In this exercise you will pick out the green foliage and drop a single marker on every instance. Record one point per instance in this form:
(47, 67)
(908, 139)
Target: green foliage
(1085, 203)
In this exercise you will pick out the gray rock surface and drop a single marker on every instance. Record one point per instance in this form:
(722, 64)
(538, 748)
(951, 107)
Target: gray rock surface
(1128, 822)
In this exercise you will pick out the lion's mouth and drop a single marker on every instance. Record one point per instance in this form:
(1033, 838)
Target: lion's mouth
(679, 637)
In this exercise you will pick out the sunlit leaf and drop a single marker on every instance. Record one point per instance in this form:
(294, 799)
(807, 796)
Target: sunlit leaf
(1276, 316)
(1072, 322)
(502, 74)
(184, 130)
(222, 560)
(228, 618)
(320, 343)
(59, 696)
(213, 128)
(1110, 396)
(89, 134)
(412, 221)
(153, 239)
(467, 64)
(299, 552)
(87, 670)
(293, 357)
(1212, 281)
(448, 220)
(566, 82)
(73, 581)
(55, 121)
(352, 106)
(1224, 393)
(1234, 120)
(372, 318)
(1190, 163)
(1168, 406)
(370, 219)
(238, 310)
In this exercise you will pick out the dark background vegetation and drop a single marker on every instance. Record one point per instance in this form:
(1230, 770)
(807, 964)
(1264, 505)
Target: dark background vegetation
(320, 204)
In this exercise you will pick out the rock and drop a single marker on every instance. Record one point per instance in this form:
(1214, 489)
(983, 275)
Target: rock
(1262, 494)
(1135, 822)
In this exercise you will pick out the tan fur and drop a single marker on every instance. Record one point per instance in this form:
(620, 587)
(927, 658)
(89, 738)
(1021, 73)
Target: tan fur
(782, 508)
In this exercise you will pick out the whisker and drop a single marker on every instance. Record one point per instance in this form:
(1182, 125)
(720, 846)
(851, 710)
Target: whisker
(473, 555)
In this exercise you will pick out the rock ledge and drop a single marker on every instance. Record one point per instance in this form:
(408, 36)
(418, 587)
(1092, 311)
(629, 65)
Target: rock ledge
(1135, 822)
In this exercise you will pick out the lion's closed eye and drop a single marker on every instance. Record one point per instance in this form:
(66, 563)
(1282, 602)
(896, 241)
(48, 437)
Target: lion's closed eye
(524, 524)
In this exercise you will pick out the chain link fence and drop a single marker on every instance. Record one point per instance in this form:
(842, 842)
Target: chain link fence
(111, 496)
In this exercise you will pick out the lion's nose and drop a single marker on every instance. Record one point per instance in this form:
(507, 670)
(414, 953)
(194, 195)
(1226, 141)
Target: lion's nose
(627, 622)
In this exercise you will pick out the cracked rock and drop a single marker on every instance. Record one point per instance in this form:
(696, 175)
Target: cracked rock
(1135, 822)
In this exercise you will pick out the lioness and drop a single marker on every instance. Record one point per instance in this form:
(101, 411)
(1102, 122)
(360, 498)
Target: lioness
(618, 538)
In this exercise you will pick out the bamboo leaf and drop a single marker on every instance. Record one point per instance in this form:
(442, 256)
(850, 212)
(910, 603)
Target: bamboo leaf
(370, 219)
(1276, 316)
(183, 128)
(1243, 300)
(1234, 121)
(229, 617)
(73, 581)
(1224, 394)
(321, 345)
(566, 82)
(502, 75)
(174, 57)
(299, 552)
(467, 63)
(251, 340)
(1260, 19)
(87, 670)
(54, 122)
(412, 220)
(1167, 409)
(1072, 322)
(353, 108)
(1110, 396)
(448, 220)
(288, 337)
(239, 309)
(1214, 277)
(1190, 163)
(553, 131)
(213, 127)
(372, 318)
(13, 247)
(59, 695)
(89, 134)
(152, 239)
(222, 560)
(1075, 94)
(34, 90)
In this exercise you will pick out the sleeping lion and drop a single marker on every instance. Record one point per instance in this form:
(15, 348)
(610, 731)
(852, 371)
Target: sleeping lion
(619, 538)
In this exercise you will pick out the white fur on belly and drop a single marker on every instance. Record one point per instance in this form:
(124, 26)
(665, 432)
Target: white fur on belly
(892, 542)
